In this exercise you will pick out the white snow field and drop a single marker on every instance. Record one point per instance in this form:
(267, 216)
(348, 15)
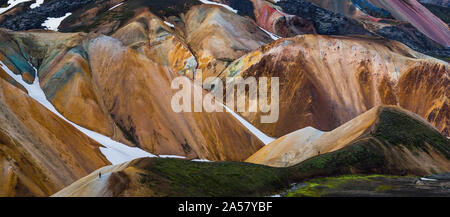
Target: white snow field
(115, 6)
(215, 3)
(12, 3)
(258, 133)
(115, 152)
(37, 4)
(52, 23)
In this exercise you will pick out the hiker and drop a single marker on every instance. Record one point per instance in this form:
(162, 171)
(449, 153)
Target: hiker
(318, 153)
(99, 175)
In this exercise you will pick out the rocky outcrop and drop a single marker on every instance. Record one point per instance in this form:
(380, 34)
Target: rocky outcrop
(371, 126)
(395, 143)
(100, 75)
(32, 18)
(443, 3)
(123, 75)
(39, 153)
(440, 11)
(346, 17)
(326, 81)
(409, 11)
(421, 18)
(217, 37)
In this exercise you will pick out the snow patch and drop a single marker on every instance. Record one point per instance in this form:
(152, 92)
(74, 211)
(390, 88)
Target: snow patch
(215, 3)
(258, 133)
(427, 179)
(12, 3)
(172, 156)
(115, 152)
(273, 36)
(53, 23)
(115, 6)
(201, 160)
(37, 4)
(169, 24)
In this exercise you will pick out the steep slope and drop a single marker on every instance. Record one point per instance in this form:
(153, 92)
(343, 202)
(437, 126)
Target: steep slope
(217, 37)
(443, 3)
(40, 153)
(150, 121)
(356, 17)
(419, 17)
(270, 18)
(326, 81)
(442, 12)
(370, 126)
(409, 10)
(397, 143)
(378, 126)
(100, 75)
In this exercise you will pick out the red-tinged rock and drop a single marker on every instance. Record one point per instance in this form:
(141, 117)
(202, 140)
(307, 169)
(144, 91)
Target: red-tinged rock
(389, 126)
(39, 152)
(326, 81)
(218, 36)
(137, 92)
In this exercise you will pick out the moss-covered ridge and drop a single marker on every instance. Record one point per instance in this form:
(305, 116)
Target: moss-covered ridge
(397, 144)
(383, 149)
(175, 177)
(368, 186)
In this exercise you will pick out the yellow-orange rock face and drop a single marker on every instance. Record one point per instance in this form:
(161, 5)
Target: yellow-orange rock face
(326, 81)
(39, 152)
(218, 36)
(138, 94)
(308, 143)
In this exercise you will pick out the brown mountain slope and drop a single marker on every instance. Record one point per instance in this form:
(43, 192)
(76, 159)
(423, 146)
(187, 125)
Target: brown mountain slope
(217, 36)
(397, 143)
(301, 145)
(101, 75)
(326, 81)
(39, 153)
(124, 76)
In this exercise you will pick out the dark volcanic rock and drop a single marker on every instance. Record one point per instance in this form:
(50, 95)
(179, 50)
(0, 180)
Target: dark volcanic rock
(3, 3)
(325, 22)
(442, 176)
(244, 7)
(33, 18)
(442, 12)
(443, 3)
(408, 35)
(372, 10)
(329, 23)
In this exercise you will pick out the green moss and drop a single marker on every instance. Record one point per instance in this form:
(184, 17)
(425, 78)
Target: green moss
(324, 186)
(399, 129)
(393, 131)
(189, 178)
(363, 156)
(3, 3)
(383, 188)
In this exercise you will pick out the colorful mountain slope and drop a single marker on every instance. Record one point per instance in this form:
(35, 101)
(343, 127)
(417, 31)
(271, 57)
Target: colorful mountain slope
(98, 74)
(301, 145)
(350, 17)
(413, 148)
(326, 81)
(420, 17)
(40, 153)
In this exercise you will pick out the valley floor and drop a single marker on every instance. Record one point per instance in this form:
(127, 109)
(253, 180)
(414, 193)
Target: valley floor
(371, 186)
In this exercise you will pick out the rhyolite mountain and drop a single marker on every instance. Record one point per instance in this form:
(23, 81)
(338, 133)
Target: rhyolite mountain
(364, 89)
(394, 142)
